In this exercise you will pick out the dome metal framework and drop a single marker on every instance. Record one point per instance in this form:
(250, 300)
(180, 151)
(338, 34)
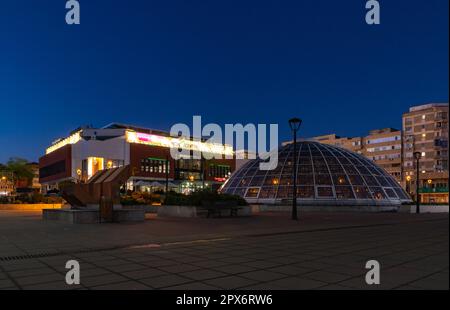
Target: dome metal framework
(327, 175)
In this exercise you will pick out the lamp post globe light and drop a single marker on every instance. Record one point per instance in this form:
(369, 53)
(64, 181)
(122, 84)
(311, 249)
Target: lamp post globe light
(417, 157)
(294, 124)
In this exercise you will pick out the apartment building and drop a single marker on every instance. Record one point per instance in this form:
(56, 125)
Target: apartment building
(425, 130)
(353, 144)
(384, 147)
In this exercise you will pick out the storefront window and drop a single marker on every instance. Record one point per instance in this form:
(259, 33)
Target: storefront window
(155, 165)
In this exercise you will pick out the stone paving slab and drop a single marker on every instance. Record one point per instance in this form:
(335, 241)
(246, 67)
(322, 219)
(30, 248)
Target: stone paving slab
(330, 255)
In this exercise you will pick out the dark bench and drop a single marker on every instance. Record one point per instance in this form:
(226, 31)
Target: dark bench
(216, 208)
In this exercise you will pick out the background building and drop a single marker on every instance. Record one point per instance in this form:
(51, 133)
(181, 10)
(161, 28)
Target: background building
(24, 185)
(384, 147)
(353, 144)
(6, 183)
(425, 130)
(12, 184)
(87, 150)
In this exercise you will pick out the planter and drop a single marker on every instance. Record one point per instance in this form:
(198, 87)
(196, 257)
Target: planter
(192, 211)
(177, 211)
(318, 208)
(91, 216)
(146, 208)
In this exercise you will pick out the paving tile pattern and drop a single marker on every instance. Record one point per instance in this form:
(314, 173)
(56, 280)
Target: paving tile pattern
(413, 255)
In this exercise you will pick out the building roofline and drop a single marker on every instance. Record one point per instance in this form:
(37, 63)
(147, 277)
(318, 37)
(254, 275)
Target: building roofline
(426, 106)
(116, 125)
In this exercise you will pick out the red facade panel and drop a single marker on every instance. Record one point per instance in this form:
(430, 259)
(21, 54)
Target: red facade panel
(140, 151)
(56, 165)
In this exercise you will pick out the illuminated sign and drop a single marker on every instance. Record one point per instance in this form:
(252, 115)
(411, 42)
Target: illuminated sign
(69, 140)
(181, 143)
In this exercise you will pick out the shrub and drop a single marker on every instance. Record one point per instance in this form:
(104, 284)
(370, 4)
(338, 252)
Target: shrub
(33, 198)
(138, 198)
(52, 199)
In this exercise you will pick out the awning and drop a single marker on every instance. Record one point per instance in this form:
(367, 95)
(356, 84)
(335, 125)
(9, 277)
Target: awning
(147, 183)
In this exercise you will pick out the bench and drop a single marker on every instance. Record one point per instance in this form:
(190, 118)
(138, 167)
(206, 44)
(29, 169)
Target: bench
(216, 208)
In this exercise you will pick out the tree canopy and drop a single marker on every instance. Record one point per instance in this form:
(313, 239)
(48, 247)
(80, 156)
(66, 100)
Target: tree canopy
(20, 168)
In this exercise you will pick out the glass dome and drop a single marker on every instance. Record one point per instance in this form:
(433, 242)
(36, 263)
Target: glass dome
(327, 175)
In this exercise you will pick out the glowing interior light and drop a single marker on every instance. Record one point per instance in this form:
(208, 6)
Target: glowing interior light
(182, 143)
(95, 164)
(72, 139)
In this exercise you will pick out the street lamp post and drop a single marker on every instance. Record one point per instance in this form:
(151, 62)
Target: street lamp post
(167, 173)
(408, 184)
(295, 123)
(417, 156)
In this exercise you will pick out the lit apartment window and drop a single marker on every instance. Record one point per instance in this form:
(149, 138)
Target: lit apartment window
(423, 116)
(423, 154)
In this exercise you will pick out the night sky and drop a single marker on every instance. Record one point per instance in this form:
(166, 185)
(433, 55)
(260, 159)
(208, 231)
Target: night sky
(155, 63)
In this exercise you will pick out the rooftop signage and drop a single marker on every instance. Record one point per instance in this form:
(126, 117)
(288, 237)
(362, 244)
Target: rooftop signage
(181, 143)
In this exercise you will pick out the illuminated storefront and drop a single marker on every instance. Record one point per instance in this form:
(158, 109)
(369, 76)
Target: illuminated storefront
(88, 150)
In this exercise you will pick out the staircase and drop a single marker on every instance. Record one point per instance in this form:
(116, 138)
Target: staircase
(105, 183)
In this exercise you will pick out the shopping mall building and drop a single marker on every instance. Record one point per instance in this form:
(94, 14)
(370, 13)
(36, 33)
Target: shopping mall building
(87, 150)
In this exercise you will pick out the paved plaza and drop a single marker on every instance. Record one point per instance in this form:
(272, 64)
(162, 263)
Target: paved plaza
(263, 252)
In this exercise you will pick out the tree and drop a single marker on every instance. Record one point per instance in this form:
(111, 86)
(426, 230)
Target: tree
(20, 168)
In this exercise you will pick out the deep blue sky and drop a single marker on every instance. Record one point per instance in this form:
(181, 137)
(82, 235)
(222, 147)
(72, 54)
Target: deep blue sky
(155, 63)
